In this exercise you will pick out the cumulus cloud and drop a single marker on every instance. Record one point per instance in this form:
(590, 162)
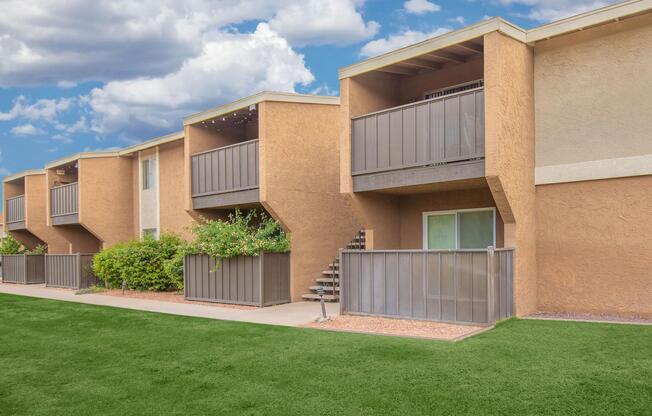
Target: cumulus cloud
(43, 109)
(318, 22)
(66, 43)
(399, 40)
(550, 10)
(26, 130)
(420, 6)
(230, 66)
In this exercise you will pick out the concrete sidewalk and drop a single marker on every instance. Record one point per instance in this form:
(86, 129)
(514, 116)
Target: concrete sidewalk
(291, 314)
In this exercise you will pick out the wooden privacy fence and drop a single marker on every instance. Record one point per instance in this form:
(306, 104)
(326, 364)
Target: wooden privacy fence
(23, 268)
(461, 286)
(261, 280)
(71, 271)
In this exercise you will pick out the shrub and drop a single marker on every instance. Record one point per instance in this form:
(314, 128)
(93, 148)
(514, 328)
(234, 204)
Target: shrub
(238, 236)
(9, 245)
(40, 249)
(142, 264)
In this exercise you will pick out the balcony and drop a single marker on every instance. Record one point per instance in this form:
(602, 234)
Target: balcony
(16, 213)
(226, 177)
(64, 204)
(426, 142)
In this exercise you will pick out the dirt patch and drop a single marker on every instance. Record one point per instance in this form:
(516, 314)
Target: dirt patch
(568, 316)
(167, 297)
(397, 327)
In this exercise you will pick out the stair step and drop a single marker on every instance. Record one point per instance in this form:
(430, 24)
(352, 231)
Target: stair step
(327, 280)
(327, 289)
(327, 298)
(330, 272)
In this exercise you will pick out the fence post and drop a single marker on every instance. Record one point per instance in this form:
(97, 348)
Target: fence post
(261, 271)
(341, 279)
(491, 272)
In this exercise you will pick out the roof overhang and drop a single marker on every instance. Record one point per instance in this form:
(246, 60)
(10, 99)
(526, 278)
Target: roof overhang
(83, 155)
(284, 97)
(168, 138)
(571, 24)
(22, 174)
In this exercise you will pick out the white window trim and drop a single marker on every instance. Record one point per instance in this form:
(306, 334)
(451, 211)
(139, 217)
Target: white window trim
(158, 192)
(425, 215)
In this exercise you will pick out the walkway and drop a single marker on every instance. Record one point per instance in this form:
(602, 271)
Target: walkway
(291, 314)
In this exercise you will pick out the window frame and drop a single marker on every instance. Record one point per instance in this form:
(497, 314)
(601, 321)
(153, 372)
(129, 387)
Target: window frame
(145, 166)
(426, 214)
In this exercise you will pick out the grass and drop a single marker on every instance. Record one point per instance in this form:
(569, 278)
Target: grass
(61, 358)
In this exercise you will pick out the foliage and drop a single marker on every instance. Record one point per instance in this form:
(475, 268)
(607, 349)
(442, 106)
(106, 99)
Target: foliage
(241, 235)
(9, 245)
(40, 249)
(142, 264)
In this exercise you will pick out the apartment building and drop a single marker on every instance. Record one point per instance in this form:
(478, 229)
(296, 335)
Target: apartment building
(490, 135)
(539, 140)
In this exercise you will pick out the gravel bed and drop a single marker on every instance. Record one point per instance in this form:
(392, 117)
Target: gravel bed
(397, 327)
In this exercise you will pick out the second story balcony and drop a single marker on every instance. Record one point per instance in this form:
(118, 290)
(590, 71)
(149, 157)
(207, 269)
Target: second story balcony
(15, 213)
(64, 204)
(434, 140)
(226, 177)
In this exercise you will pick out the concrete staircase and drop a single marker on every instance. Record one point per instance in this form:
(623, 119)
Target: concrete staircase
(329, 278)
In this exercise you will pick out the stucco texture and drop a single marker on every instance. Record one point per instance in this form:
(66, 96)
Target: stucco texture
(509, 155)
(593, 247)
(174, 218)
(299, 171)
(593, 93)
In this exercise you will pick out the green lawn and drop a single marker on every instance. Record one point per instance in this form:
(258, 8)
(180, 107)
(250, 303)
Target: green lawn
(60, 358)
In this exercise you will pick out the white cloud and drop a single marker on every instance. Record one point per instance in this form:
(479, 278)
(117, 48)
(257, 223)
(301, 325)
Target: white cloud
(399, 40)
(5, 172)
(66, 43)
(550, 10)
(420, 6)
(318, 22)
(26, 130)
(43, 109)
(231, 65)
(459, 20)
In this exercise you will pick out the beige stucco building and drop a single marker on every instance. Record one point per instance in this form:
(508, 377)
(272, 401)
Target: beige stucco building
(490, 135)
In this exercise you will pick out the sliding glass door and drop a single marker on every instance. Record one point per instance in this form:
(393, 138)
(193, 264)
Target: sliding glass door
(462, 229)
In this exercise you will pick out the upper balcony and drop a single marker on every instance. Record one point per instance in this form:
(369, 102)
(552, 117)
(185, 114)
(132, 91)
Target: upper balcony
(15, 208)
(417, 118)
(226, 176)
(64, 204)
(434, 140)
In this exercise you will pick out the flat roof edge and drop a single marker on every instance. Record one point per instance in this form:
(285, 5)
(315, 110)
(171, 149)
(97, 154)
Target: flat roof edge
(157, 141)
(22, 174)
(286, 97)
(80, 155)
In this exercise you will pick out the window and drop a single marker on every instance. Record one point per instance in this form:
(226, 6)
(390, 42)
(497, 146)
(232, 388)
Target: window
(148, 169)
(462, 229)
(150, 232)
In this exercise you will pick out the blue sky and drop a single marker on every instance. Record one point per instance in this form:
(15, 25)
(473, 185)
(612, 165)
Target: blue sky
(75, 78)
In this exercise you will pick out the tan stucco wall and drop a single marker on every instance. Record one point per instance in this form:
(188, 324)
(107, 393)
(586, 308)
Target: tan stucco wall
(593, 246)
(36, 214)
(106, 198)
(509, 152)
(299, 170)
(593, 93)
(173, 216)
(412, 207)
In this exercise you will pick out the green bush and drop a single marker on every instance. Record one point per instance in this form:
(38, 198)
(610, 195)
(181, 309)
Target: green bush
(142, 264)
(40, 249)
(9, 245)
(239, 236)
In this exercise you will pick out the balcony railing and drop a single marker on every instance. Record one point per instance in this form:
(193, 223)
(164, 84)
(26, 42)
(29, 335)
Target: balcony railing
(64, 200)
(437, 131)
(16, 209)
(227, 169)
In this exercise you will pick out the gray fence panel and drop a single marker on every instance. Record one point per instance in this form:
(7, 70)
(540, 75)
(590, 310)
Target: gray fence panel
(439, 130)
(246, 280)
(452, 286)
(25, 269)
(16, 209)
(227, 169)
(64, 199)
(70, 271)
